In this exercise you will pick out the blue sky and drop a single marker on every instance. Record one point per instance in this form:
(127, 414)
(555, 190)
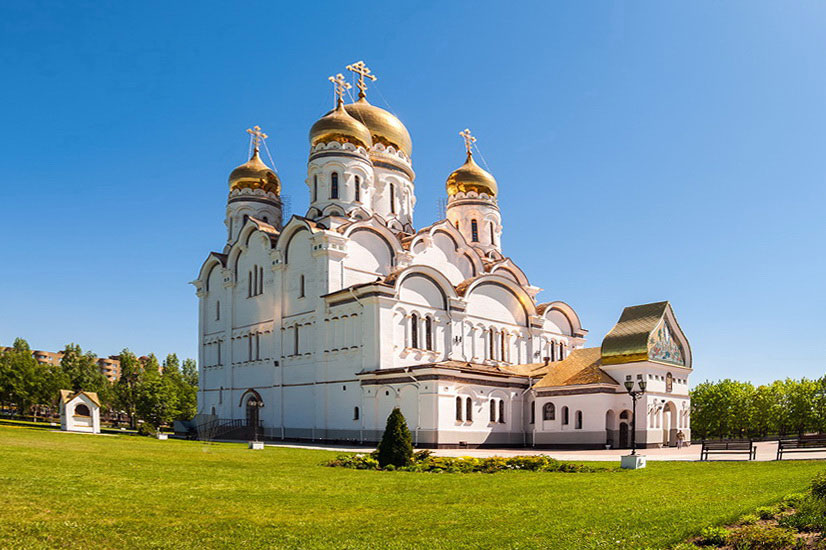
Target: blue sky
(644, 151)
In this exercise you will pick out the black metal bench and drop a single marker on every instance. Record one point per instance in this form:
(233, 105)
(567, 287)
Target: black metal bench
(804, 444)
(729, 446)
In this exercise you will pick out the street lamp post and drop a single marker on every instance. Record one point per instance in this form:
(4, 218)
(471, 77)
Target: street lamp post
(629, 385)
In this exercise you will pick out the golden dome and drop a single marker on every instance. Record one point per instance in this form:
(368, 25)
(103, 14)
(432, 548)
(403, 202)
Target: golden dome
(254, 174)
(384, 127)
(471, 177)
(338, 125)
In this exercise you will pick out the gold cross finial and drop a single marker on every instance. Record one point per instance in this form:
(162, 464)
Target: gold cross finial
(364, 72)
(340, 85)
(469, 141)
(257, 136)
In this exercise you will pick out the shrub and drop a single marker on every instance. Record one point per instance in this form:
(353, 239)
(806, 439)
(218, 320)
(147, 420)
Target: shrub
(809, 515)
(762, 537)
(793, 500)
(749, 519)
(356, 462)
(765, 512)
(713, 536)
(396, 445)
(147, 429)
(819, 486)
(684, 546)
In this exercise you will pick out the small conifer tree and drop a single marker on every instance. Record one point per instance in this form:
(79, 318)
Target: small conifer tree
(396, 446)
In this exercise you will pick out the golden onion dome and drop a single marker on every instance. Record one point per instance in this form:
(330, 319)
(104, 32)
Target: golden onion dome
(384, 127)
(254, 174)
(471, 177)
(338, 125)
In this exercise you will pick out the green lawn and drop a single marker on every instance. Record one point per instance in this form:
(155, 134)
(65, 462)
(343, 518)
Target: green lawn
(81, 491)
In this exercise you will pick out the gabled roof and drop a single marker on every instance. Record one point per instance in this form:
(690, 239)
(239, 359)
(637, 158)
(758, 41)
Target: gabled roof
(581, 367)
(68, 395)
(628, 341)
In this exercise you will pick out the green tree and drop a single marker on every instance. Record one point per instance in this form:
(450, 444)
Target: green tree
(18, 377)
(156, 395)
(126, 388)
(396, 445)
(190, 372)
(84, 373)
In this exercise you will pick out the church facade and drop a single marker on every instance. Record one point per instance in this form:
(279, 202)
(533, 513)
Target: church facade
(316, 327)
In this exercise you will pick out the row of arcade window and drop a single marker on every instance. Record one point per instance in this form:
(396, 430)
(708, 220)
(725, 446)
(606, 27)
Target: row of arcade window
(549, 413)
(414, 332)
(256, 282)
(464, 410)
(334, 194)
(474, 231)
(497, 353)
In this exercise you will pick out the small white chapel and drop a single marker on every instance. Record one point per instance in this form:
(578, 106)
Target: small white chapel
(315, 327)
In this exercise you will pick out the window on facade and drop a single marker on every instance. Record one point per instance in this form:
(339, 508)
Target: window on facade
(334, 185)
(428, 334)
(491, 344)
(355, 413)
(474, 231)
(457, 224)
(414, 331)
(459, 409)
(468, 410)
(578, 421)
(561, 351)
(260, 280)
(392, 198)
(492, 240)
(249, 347)
(502, 346)
(315, 188)
(501, 411)
(257, 347)
(533, 412)
(295, 339)
(82, 410)
(358, 189)
(493, 410)
(564, 416)
(548, 412)
(301, 286)
(218, 344)
(218, 310)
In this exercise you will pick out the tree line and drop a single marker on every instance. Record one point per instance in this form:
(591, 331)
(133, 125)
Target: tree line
(733, 409)
(146, 390)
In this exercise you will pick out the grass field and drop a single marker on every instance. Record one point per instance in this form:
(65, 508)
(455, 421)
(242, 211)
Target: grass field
(64, 490)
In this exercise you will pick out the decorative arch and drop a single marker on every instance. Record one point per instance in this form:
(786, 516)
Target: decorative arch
(250, 392)
(432, 275)
(293, 227)
(550, 309)
(377, 226)
(523, 299)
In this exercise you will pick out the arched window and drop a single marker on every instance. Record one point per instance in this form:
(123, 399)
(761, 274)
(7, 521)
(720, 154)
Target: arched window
(414, 331)
(392, 198)
(564, 416)
(82, 410)
(533, 412)
(260, 280)
(266, 219)
(493, 410)
(295, 339)
(457, 224)
(491, 345)
(548, 412)
(578, 421)
(501, 411)
(218, 310)
(301, 286)
(474, 231)
(334, 185)
(492, 239)
(561, 351)
(468, 410)
(428, 334)
(358, 189)
(355, 413)
(459, 409)
(502, 346)
(553, 351)
(249, 286)
(315, 188)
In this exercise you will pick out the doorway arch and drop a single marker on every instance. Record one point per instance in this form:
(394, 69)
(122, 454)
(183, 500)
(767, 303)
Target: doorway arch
(669, 424)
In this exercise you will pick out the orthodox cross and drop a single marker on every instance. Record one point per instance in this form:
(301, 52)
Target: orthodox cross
(340, 85)
(469, 140)
(364, 72)
(257, 136)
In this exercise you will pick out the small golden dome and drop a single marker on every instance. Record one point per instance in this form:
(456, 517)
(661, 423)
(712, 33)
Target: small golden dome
(338, 125)
(471, 177)
(254, 174)
(384, 127)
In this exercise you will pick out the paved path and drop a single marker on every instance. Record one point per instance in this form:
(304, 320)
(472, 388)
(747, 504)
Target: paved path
(766, 450)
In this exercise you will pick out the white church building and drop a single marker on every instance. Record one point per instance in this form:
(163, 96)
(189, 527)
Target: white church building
(316, 327)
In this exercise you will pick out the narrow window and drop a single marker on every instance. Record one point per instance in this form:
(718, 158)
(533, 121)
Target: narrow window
(392, 198)
(258, 346)
(459, 409)
(295, 336)
(533, 412)
(315, 188)
(249, 347)
(578, 424)
(334, 186)
(491, 344)
(564, 416)
(561, 351)
(493, 410)
(218, 310)
(553, 351)
(501, 411)
(414, 331)
(355, 413)
(301, 286)
(457, 224)
(249, 286)
(492, 239)
(469, 410)
(219, 351)
(428, 334)
(502, 346)
(261, 280)
(549, 412)
(474, 231)
(358, 189)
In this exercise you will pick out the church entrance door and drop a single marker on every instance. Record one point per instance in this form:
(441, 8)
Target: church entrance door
(623, 435)
(252, 412)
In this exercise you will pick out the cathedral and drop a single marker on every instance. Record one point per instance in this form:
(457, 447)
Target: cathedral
(314, 328)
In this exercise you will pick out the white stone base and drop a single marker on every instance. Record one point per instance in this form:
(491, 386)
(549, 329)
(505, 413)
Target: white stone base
(162, 437)
(632, 462)
(257, 445)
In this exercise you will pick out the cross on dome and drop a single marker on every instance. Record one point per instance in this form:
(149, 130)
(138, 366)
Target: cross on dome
(257, 136)
(469, 140)
(340, 85)
(364, 72)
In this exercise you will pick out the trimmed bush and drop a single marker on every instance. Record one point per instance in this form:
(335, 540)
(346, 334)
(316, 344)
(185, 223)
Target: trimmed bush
(396, 445)
(147, 429)
(819, 486)
(424, 461)
(713, 536)
(762, 537)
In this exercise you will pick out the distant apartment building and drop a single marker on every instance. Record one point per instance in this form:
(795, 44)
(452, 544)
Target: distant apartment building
(109, 366)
